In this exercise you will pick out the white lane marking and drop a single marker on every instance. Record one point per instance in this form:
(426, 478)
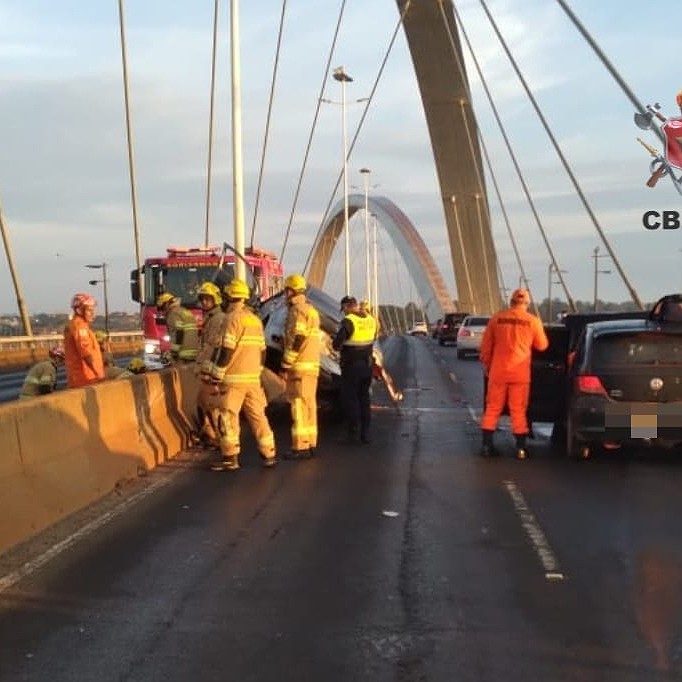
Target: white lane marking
(472, 413)
(535, 533)
(29, 567)
(453, 378)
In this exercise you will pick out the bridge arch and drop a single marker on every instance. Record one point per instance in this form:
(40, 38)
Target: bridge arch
(419, 262)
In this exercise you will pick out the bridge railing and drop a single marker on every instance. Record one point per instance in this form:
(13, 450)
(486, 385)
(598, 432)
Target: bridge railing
(21, 351)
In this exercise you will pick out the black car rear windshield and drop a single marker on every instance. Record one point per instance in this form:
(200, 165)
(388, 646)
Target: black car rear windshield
(638, 349)
(477, 321)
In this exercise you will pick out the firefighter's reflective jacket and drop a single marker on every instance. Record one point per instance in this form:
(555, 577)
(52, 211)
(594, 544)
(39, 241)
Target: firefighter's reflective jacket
(302, 341)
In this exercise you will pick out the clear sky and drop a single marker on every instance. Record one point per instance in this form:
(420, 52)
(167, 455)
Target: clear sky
(63, 164)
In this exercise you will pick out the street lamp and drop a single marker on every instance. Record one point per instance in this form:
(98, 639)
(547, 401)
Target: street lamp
(342, 77)
(550, 271)
(596, 255)
(103, 282)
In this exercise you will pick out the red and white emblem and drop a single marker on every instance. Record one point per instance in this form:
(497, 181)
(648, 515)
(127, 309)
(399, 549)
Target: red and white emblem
(672, 129)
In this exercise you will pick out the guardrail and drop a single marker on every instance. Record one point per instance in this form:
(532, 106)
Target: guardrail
(22, 351)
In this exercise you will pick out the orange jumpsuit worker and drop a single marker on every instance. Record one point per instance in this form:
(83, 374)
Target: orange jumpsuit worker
(235, 368)
(83, 357)
(301, 367)
(506, 350)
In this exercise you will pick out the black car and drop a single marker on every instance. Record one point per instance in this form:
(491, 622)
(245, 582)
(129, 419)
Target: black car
(447, 333)
(612, 383)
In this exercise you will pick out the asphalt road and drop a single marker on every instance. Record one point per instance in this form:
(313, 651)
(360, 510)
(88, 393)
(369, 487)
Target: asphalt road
(408, 560)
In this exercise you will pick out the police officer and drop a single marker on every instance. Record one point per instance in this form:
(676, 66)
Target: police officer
(235, 368)
(211, 300)
(355, 340)
(506, 349)
(182, 327)
(301, 366)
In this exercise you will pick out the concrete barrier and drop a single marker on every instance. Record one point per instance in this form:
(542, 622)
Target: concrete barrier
(60, 452)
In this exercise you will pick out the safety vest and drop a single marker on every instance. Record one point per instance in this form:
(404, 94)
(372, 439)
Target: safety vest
(302, 321)
(364, 330)
(183, 332)
(243, 335)
(211, 336)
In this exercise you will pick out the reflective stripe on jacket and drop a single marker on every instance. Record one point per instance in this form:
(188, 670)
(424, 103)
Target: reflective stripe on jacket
(243, 336)
(183, 332)
(303, 321)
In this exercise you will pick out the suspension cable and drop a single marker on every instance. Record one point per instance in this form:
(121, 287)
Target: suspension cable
(609, 66)
(565, 164)
(312, 131)
(209, 170)
(358, 129)
(517, 167)
(267, 121)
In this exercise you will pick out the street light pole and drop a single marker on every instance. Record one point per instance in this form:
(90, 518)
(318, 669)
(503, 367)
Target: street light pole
(368, 287)
(550, 271)
(104, 283)
(596, 255)
(237, 165)
(375, 269)
(342, 77)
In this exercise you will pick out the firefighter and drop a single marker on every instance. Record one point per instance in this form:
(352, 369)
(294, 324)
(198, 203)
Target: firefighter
(236, 368)
(506, 349)
(301, 366)
(182, 328)
(83, 357)
(41, 379)
(211, 301)
(355, 340)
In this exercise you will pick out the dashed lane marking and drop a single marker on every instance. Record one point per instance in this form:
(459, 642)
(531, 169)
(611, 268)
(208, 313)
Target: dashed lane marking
(535, 533)
(453, 378)
(30, 567)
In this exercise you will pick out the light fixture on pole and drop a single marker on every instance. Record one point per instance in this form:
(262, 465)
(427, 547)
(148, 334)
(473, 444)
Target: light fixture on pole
(103, 282)
(551, 270)
(596, 256)
(342, 77)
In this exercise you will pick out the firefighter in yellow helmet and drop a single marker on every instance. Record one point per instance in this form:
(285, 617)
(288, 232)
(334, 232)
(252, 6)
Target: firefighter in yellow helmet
(41, 379)
(181, 326)
(211, 300)
(301, 366)
(236, 368)
(135, 366)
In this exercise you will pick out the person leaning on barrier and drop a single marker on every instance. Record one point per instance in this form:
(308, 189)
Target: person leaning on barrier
(506, 349)
(235, 369)
(83, 356)
(211, 301)
(41, 379)
(181, 326)
(355, 340)
(301, 366)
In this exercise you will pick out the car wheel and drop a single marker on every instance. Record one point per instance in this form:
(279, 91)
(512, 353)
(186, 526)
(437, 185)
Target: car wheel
(575, 449)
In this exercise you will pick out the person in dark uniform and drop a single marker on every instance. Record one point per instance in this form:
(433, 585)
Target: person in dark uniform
(355, 341)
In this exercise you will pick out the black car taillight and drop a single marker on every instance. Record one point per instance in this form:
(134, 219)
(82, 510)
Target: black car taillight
(588, 383)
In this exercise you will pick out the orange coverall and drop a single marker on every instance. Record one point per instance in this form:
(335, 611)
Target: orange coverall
(80, 342)
(506, 349)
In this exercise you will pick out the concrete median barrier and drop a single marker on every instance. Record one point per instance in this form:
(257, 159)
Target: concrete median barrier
(60, 452)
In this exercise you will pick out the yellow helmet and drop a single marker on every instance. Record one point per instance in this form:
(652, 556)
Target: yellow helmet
(210, 289)
(101, 336)
(136, 365)
(296, 282)
(164, 298)
(237, 289)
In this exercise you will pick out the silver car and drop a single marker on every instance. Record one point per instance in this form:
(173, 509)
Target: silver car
(470, 334)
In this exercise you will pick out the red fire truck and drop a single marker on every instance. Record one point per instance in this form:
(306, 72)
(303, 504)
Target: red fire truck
(182, 271)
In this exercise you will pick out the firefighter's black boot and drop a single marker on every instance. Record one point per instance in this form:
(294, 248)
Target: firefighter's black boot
(487, 449)
(521, 451)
